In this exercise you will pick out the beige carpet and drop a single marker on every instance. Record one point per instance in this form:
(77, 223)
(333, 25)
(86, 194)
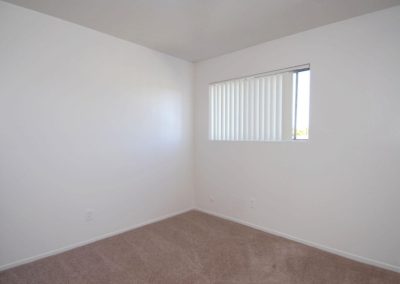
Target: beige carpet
(196, 248)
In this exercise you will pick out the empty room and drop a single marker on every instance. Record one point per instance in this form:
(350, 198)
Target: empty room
(199, 141)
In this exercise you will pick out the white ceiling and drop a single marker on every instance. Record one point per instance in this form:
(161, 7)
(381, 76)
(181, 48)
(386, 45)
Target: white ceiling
(199, 29)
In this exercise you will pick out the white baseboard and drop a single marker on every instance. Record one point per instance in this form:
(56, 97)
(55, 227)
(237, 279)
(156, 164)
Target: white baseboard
(308, 243)
(267, 230)
(92, 240)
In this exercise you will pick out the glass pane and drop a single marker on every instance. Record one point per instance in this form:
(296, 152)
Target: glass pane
(303, 104)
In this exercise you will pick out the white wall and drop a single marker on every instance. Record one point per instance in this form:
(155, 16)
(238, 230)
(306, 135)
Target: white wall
(341, 189)
(87, 121)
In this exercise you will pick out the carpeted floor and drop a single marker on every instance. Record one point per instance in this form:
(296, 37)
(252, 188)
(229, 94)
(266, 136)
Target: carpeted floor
(196, 248)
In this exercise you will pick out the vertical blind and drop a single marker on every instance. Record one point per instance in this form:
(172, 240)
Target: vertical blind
(251, 109)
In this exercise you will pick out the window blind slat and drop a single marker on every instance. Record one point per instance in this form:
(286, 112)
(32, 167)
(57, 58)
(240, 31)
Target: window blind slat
(241, 112)
(232, 111)
(279, 108)
(268, 108)
(262, 109)
(220, 107)
(223, 137)
(228, 108)
(216, 112)
(236, 110)
(246, 111)
(256, 110)
(251, 109)
(211, 107)
(273, 108)
(218, 134)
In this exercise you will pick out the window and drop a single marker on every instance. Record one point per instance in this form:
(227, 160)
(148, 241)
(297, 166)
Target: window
(272, 106)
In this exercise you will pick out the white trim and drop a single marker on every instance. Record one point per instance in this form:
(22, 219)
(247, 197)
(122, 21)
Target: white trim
(95, 239)
(348, 255)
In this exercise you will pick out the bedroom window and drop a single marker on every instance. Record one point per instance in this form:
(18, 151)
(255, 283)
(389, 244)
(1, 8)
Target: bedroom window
(272, 106)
